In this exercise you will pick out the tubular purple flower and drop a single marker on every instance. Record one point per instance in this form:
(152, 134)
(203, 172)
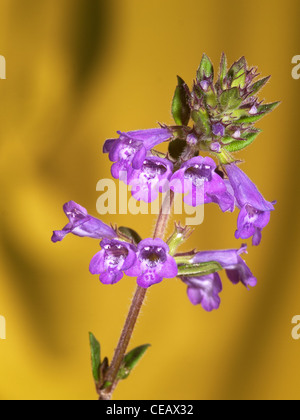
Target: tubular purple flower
(82, 224)
(204, 290)
(153, 263)
(153, 177)
(130, 149)
(115, 257)
(198, 178)
(236, 268)
(255, 210)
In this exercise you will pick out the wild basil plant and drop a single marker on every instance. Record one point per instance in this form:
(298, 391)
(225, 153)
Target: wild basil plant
(213, 120)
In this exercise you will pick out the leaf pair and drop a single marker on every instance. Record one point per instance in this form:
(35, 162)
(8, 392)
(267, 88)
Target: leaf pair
(99, 369)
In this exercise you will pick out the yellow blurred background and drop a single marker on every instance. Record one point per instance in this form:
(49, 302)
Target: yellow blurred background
(78, 71)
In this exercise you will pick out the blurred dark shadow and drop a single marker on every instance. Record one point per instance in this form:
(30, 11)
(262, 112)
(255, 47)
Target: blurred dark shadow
(89, 36)
(84, 41)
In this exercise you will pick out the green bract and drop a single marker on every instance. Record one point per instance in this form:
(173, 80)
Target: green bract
(224, 110)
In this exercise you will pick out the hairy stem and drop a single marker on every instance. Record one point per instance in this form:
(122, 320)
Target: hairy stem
(135, 308)
(164, 216)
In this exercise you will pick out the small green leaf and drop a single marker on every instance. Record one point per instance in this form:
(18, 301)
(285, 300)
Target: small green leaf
(265, 109)
(237, 145)
(206, 69)
(262, 110)
(223, 69)
(236, 68)
(227, 139)
(131, 360)
(240, 79)
(180, 107)
(202, 121)
(130, 234)
(201, 269)
(230, 99)
(95, 357)
(211, 98)
(258, 85)
(239, 113)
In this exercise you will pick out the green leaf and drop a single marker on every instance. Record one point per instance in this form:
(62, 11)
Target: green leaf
(223, 69)
(262, 110)
(180, 107)
(131, 360)
(237, 145)
(130, 234)
(227, 139)
(265, 109)
(176, 148)
(230, 99)
(106, 384)
(258, 85)
(236, 68)
(211, 98)
(95, 357)
(202, 121)
(240, 79)
(206, 69)
(239, 113)
(201, 269)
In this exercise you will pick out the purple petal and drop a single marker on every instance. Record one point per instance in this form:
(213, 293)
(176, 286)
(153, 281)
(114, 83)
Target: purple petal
(151, 137)
(169, 268)
(256, 239)
(245, 190)
(177, 182)
(149, 278)
(82, 224)
(224, 200)
(58, 235)
(108, 145)
(218, 129)
(134, 270)
(111, 277)
(97, 263)
(236, 268)
(205, 291)
(241, 273)
(225, 258)
(139, 158)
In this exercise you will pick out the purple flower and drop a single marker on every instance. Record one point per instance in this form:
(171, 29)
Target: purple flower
(198, 177)
(215, 147)
(82, 224)
(255, 210)
(236, 268)
(204, 290)
(218, 129)
(153, 263)
(130, 149)
(151, 179)
(115, 257)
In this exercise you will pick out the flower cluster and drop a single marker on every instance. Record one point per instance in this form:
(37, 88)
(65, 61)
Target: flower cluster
(212, 118)
(149, 260)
